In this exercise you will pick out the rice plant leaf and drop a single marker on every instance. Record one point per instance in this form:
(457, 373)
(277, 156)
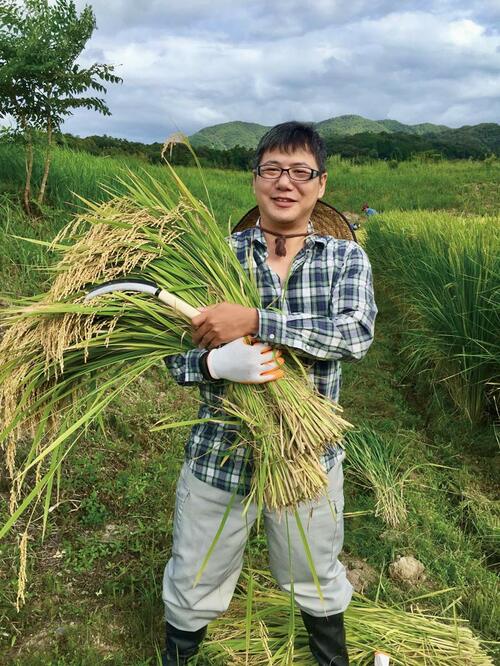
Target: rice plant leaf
(248, 615)
(191, 422)
(429, 595)
(55, 459)
(34, 493)
(291, 623)
(38, 241)
(98, 406)
(308, 553)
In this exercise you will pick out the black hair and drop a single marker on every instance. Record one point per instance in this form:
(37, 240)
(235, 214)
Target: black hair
(291, 136)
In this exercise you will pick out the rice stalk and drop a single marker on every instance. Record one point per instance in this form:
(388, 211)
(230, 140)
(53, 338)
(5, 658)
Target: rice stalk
(21, 581)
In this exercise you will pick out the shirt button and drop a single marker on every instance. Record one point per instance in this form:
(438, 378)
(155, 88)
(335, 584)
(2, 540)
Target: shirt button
(272, 336)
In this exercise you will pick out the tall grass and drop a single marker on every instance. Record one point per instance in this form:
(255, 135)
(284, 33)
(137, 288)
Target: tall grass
(445, 270)
(461, 185)
(77, 174)
(24, 265)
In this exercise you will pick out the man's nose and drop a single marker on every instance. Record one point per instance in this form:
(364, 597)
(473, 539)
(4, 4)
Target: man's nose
(284, 180)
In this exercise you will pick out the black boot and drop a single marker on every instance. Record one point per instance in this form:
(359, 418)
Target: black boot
(181, 645)
(327, 639)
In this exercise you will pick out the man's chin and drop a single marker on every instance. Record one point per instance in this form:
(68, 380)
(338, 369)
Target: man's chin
(286, 219)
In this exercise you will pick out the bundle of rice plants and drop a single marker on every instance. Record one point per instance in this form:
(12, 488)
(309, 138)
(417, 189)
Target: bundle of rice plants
(377, 465)
(54, 346)
(276, 634)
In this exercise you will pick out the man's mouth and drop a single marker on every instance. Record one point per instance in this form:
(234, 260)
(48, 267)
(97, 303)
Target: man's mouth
(283, 201)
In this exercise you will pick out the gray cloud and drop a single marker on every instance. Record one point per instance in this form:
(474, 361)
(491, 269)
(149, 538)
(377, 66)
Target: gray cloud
(189, 65)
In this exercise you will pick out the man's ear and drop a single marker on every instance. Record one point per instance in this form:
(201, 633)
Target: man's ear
(322, 184)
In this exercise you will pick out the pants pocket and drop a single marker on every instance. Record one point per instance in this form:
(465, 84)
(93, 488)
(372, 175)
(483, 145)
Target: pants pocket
(336, 487)
(336, 501)
(181, 497)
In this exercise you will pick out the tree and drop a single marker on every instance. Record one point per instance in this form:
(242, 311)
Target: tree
(40, 81)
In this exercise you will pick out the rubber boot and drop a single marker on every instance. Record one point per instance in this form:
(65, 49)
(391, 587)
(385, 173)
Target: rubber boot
(327, 639)
(180, 645)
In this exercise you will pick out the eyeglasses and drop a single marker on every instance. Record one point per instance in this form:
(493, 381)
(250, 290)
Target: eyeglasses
(271, 172)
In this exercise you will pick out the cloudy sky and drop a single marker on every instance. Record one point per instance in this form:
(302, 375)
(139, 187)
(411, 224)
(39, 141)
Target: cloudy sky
(187, 64)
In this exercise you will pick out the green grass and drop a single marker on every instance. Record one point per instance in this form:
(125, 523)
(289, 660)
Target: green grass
(462, 186)
(94, 585)
(376, 393)
(378, 465)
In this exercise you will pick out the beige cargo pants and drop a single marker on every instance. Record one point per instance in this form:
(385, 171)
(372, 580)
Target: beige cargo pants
(199, 510)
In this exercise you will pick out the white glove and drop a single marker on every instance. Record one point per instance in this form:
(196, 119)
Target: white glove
(246, 362)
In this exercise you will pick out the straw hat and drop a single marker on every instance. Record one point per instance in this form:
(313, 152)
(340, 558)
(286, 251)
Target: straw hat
(326, 220)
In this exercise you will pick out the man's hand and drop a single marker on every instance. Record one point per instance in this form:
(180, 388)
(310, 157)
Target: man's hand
(222, 323)
(245, 362)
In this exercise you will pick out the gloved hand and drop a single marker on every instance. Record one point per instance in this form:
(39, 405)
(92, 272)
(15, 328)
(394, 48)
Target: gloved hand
(246, 362)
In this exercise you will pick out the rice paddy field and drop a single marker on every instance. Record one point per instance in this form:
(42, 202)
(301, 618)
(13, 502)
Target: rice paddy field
(422, 464)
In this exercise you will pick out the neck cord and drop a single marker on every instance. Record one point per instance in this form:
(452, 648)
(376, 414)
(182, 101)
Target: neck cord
(281, 240)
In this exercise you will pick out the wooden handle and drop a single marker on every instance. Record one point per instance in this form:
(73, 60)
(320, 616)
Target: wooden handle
(178, 304)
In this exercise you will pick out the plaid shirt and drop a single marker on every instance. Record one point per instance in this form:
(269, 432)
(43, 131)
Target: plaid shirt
(326, 312)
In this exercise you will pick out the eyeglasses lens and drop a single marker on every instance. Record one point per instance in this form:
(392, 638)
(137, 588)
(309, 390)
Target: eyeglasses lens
(273, 173)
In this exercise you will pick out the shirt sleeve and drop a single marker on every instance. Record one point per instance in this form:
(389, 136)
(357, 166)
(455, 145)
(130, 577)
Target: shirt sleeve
(347, 334)
(185, 368)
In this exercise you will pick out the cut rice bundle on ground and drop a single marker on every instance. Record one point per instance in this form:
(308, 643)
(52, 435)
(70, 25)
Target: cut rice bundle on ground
(410, 638)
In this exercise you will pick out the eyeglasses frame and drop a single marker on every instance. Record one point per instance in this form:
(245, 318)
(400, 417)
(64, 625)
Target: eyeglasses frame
(314, 173)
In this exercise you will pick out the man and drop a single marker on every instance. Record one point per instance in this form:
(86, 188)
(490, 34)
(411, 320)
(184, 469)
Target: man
(368, 211)
(317, 299)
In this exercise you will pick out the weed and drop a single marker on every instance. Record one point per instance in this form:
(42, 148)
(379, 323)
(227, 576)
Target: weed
(92, 511)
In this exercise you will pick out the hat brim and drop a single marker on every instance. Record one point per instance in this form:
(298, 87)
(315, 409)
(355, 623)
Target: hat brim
(326, 220)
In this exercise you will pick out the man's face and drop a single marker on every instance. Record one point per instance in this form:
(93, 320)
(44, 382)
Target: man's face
(285, 203)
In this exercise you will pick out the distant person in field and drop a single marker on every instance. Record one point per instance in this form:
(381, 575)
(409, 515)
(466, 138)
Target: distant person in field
(368, 211)
(317, 300)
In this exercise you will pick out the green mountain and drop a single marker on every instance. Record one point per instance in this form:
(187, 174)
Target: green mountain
(476, 142)
(429, 128)
(347, 125)
(393, 126)
(483, 138)
(395, 142)
(237, 133)
(228, 135)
